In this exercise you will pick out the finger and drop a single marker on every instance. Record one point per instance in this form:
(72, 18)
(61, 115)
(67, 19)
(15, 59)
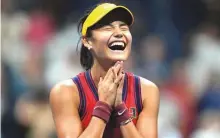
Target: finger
(121, 83)
(122, 66)
(111, 76)
(117, 63)
(114, 72)
(100, 80)
(121, 69)
(118, 68)
(108, 73)
(118, 79)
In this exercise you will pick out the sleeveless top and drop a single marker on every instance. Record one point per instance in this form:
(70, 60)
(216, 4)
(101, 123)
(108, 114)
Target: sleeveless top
(89, 96)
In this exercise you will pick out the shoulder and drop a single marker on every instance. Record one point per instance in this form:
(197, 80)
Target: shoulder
(149, 90)
(147, 84)
(64, 85)
(64, 91)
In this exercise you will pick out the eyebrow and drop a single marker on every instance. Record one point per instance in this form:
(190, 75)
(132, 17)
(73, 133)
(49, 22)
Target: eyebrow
(121, 24)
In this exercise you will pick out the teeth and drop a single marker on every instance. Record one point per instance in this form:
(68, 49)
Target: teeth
(117, 43)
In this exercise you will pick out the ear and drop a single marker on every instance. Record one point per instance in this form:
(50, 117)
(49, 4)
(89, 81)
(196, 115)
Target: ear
(86, 42)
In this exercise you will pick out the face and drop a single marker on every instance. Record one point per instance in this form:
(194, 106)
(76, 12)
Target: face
(112, 41)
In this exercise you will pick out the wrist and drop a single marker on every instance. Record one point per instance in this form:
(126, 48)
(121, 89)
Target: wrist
(121, 114)
(104, 100)
(102, 110)
(117, 103)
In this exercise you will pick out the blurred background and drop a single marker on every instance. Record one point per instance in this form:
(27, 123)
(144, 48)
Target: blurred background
(176, 44)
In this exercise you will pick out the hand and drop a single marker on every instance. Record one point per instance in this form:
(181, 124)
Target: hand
(118, 99)
(108, 85)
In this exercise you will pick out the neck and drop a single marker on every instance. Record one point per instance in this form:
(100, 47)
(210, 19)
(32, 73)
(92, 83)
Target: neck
(99, 69)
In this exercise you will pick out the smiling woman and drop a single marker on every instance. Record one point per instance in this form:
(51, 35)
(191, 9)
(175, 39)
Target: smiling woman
(102, 23)
(105, 101)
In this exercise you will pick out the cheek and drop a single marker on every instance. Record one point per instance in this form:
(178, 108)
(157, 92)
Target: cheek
(100, 40)
(128, 36)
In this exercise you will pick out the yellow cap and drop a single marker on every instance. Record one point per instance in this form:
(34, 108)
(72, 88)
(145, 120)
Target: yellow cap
(100, 11)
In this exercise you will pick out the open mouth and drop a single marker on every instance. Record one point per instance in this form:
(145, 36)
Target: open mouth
(117, 45)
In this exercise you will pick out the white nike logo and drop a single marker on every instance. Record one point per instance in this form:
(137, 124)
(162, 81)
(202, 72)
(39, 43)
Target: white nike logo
(120, 113)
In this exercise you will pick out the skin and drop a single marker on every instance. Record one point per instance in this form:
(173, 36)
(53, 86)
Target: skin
(107, 73)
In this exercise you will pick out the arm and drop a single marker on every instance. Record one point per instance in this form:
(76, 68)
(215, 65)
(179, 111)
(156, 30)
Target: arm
(64, 101)
(147, 122)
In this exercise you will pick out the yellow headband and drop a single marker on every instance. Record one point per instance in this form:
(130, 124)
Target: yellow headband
(99, 12)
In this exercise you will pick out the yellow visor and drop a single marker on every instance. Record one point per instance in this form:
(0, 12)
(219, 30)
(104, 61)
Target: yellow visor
(102, 10)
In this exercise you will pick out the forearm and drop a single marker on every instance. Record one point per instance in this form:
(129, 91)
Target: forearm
(130, 131)
(95, 129)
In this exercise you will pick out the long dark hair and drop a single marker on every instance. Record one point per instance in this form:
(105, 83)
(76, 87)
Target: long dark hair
(86, 58)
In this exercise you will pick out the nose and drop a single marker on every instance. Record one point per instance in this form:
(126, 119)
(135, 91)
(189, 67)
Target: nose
(118, 33)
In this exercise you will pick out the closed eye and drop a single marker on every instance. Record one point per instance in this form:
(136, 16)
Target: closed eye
(107, 28)
(124, 28)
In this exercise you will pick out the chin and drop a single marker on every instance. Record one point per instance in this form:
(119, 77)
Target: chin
(118, 58)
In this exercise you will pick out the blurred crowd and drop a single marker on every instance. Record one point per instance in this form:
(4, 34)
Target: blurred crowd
(176, 44)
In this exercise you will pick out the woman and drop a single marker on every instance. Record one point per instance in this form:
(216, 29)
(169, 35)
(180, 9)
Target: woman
(104, 101)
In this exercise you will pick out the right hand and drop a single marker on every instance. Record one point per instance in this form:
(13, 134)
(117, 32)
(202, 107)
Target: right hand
(107, 87)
